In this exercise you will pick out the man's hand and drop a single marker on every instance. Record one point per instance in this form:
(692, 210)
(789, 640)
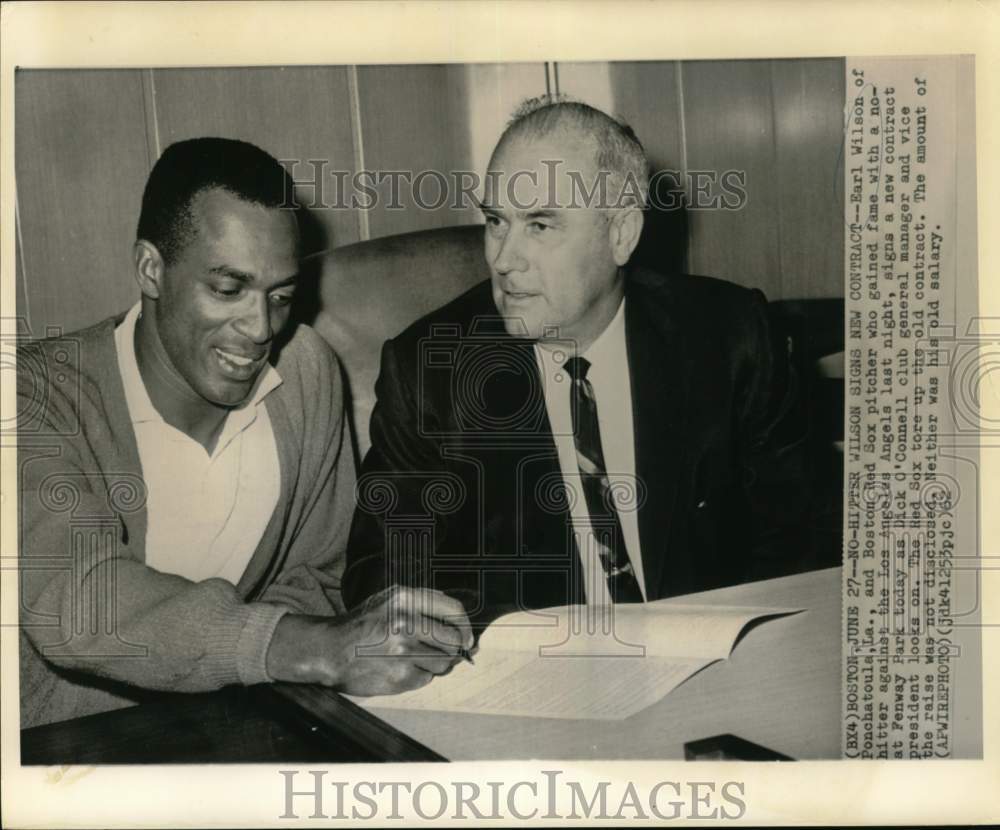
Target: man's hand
(400, 639)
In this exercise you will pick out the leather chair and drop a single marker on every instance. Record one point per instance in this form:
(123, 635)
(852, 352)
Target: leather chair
(814, 330)
(369, 292)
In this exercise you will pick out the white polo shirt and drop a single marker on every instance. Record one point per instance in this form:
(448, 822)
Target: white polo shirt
(206, 512)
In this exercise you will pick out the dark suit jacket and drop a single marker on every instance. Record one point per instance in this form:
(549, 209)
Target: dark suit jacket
(460, 488)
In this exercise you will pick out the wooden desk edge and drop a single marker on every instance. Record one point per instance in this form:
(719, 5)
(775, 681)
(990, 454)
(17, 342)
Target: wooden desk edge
(330, 716)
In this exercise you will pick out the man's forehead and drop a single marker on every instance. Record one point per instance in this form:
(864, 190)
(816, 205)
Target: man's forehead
(563, 145)
(547, 171)
(217, 211)
(234, 237)
(214, 206)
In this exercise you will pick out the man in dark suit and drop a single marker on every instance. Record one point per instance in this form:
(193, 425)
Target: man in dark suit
(577, 430)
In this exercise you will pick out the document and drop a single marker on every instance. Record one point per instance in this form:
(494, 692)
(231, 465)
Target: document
(584, 662)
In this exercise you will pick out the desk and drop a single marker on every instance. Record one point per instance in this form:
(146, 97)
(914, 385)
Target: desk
(257, 725)
(780, 689)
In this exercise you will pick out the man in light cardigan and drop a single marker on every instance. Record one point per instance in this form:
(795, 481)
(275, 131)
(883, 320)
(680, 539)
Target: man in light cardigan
(186, 480)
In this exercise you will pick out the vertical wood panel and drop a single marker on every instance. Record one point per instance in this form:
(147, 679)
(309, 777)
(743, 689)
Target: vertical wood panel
(808, 108)
(590, 82)
(358, 140)
(153, 148)
(21, 307)
(415, 118)
(298, 113)
(80, 150)
(645, 95)
(494, 91)
(729, 121)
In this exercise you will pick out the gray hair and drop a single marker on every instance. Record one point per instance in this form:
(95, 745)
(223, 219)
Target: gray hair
(618, 149)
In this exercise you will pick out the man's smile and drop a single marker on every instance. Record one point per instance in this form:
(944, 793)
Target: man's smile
(519, 296)
(238, 365)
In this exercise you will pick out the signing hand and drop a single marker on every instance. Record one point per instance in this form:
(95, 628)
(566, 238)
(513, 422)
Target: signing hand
(399, 639)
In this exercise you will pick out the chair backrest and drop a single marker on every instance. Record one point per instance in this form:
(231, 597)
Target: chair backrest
(815, 329)
(815, 332)
(370, 291)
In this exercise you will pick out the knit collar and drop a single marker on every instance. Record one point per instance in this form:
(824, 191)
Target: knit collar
(140, 406)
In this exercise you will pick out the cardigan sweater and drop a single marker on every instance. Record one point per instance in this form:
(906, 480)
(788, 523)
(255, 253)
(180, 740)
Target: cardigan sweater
(98, 626)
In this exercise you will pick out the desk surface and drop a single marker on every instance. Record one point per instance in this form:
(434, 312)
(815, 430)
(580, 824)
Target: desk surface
(780, 689)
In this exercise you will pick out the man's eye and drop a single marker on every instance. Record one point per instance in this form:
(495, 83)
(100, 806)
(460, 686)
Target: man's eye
(225, 292)
(281, 299)
(538, 227)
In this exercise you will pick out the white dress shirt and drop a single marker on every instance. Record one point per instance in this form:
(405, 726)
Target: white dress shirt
(609, 377)
(206, 512)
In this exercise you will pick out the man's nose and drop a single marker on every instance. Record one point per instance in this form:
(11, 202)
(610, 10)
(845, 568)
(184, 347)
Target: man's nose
(255, 323)
(508, 256)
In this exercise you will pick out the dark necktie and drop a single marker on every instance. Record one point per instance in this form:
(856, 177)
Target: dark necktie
(604, 520)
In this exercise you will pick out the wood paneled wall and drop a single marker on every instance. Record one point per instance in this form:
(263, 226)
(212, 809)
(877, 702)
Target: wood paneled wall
(80, 166)
(780, 122)
(86, 140)
(295, 113)
(403, 132)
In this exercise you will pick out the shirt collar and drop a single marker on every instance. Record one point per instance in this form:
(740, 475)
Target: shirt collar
(607, 352)
(607, 355)
(140, 406)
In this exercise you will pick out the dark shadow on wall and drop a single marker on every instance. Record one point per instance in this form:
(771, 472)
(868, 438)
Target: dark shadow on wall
(315, 236)
(664, 241)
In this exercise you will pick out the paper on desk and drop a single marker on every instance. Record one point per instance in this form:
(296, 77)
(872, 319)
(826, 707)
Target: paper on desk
(586, 663)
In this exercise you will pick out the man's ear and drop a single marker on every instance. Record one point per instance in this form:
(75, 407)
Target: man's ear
(149, 268)
(625, 230)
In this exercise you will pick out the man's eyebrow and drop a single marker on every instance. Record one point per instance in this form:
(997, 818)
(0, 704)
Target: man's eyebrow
(540, 213)
(232, 273)
(528, 215)
(292, 280)
(248, 278)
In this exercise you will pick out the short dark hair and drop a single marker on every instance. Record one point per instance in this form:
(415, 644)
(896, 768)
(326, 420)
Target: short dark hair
(187, 168)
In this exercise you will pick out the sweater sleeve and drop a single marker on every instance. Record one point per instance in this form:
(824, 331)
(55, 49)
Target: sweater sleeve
(88, 601)
(309, 581)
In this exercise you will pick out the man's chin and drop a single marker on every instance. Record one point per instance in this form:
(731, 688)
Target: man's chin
(230, 395)
(521, 328)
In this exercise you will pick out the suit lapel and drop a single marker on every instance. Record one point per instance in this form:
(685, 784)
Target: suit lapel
(660, 376)
(523, 466)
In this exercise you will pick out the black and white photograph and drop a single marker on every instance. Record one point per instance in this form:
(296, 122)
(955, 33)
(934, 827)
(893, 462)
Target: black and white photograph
(536, 413)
